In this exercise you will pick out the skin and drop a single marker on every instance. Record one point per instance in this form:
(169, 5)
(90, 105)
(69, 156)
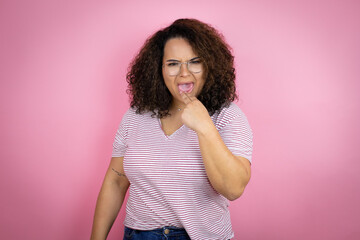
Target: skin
(227, 173)
(179, 49)
(110, 199)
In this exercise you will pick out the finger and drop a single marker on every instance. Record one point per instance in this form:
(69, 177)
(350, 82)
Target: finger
(189, 97)
(186, 98)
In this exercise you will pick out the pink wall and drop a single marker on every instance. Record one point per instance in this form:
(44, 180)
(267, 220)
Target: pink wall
(62, 96)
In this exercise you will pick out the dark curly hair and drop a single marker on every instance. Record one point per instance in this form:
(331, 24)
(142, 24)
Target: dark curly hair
(146, 86)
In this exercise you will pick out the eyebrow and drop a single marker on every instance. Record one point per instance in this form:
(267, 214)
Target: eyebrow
(174, 60)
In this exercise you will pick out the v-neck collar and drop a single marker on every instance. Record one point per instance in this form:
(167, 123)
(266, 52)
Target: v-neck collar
(173, 134)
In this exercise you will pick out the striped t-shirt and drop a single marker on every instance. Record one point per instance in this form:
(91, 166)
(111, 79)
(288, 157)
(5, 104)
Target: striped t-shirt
(168, 182)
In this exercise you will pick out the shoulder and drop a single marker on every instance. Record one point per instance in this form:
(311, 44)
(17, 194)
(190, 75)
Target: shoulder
(130, 113)
(228, 114)
(132, 117)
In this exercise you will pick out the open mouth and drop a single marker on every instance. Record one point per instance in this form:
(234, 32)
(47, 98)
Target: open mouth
(186, 87)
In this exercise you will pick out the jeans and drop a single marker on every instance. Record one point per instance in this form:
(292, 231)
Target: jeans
(165, 233)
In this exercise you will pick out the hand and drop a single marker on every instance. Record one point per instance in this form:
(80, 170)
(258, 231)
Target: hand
(195, 115)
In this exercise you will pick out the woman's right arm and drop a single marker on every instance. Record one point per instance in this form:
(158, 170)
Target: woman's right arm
(110, 199)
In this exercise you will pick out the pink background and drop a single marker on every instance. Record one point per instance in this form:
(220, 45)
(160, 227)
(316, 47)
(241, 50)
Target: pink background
(62, 96)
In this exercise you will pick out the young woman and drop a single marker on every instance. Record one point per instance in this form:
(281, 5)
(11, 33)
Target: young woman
(184, 148)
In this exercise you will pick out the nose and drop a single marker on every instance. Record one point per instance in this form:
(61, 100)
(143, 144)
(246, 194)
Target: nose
(184, 71)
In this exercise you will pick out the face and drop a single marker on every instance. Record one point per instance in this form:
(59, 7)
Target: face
(179, 50)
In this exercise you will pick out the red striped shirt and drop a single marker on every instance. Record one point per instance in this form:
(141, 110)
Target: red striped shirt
(168, 182)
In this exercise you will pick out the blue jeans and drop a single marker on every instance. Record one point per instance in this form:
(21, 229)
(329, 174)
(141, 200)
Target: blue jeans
(165, 233)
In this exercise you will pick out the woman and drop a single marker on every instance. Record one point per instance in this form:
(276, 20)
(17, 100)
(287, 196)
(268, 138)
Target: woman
(183, 148)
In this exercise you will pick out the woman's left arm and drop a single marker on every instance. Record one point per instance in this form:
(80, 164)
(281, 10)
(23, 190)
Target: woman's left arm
(227, 173)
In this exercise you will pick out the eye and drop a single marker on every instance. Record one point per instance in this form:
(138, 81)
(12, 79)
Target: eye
(172, 64)
(195, 62)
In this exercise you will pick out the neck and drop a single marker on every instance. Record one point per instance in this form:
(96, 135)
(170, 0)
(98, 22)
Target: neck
(176, 106)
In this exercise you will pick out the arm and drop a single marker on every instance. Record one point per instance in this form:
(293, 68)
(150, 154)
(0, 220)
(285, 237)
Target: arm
(110, 199)
(227, 173)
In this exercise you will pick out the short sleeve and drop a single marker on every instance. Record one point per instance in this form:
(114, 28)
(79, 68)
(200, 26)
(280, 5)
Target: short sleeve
(237, 135)
(120, 141)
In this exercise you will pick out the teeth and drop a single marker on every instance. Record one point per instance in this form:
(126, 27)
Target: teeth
(186, 87)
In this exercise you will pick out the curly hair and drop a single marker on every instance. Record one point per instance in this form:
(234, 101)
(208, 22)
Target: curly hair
(146, 86)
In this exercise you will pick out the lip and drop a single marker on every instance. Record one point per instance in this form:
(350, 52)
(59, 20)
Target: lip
(186, 87)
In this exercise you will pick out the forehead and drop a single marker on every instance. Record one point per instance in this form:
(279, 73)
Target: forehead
(179, 49)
